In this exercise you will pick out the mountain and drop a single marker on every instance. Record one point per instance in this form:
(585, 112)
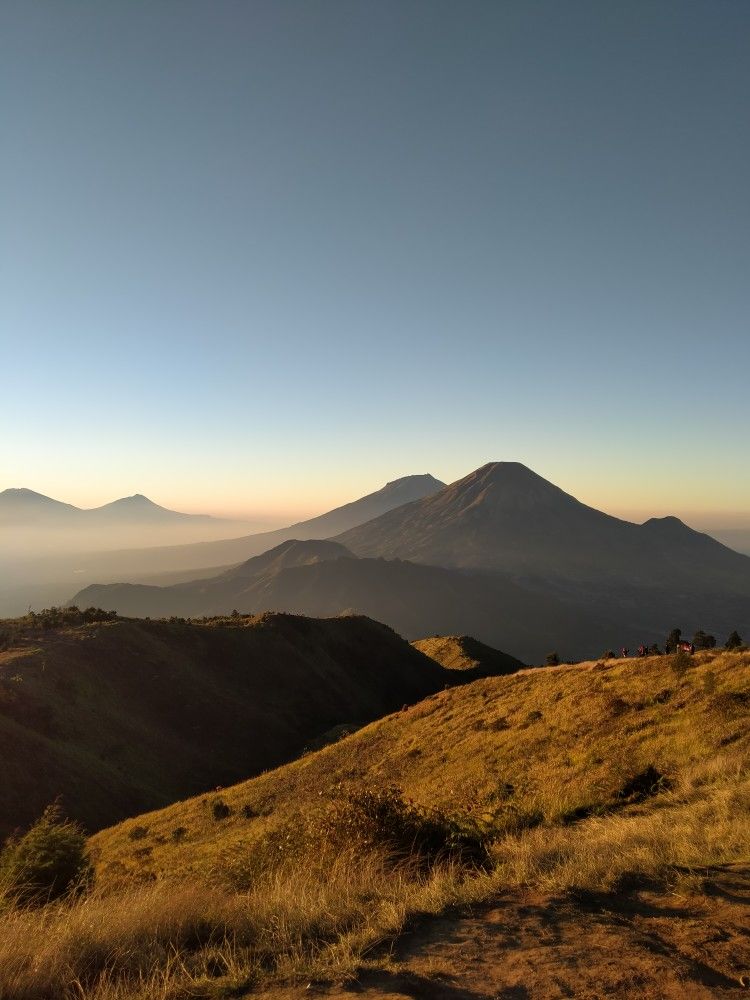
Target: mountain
(139, 508)
(123, 716)
(472, 657)
(21, 506)
(194, 559)
(25, 507)
(502, 555)
(503, 518)
(234, 550)
(321, 578)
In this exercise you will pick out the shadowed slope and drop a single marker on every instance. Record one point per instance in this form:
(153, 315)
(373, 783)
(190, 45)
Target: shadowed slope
(322, 579)
(128, 715)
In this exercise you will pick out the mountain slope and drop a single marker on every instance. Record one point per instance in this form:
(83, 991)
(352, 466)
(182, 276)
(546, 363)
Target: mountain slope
(137, 562)
(555, 744)
(322, 579)
(505, 517)
(20, 506)
(625, 782)
(86, 711)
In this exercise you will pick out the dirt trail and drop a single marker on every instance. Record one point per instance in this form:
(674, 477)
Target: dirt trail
(645, 943)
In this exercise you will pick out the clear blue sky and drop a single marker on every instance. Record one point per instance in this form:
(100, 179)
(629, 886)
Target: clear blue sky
(264, 256)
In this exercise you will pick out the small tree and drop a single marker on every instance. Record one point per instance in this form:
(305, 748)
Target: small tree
(49, 860)
(552, 659)
(734, 641)
(703, 641)
(673, 640)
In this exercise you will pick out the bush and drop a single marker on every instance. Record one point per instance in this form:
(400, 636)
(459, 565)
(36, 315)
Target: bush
(383, 818)
(734, 641)
(49, 860)
(680, 663)
(220, 810)
(552, 659)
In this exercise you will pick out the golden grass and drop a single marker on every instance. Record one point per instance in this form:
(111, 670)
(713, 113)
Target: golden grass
(172, 939)
(225, 906)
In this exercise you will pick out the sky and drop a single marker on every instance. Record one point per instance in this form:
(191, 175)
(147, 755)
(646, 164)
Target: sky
(262, 257)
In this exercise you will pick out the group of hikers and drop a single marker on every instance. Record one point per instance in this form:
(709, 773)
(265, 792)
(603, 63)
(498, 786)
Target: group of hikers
(643, 650)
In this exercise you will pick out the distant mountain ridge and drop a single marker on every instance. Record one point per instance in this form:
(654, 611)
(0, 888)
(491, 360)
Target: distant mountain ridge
(501, 555)
(505, 518)
(228, 551)
(24, 506)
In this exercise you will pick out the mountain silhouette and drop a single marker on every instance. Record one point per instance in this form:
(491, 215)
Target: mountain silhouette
(502, 555)
(214, 555)
(505, 518)
(22, 507)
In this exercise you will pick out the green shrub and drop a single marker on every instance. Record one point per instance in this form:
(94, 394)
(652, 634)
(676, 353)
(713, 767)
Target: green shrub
(46, 862)
(552, 659)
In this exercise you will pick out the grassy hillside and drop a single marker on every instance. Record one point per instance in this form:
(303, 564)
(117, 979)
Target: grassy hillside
(578, 777)
(546, 746)
(121, 716)
(463, 652)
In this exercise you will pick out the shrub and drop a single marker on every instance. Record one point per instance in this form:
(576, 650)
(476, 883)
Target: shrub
(734, 641)
(382, 818)
(49, 860)
(138, 833)
(679, 664)
(220, 810)
(552, 659)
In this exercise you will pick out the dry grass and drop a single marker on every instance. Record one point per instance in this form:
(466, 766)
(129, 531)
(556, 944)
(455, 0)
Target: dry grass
(173, 940)
(226, 906)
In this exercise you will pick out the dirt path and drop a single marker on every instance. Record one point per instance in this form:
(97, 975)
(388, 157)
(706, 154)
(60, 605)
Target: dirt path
(646, 943)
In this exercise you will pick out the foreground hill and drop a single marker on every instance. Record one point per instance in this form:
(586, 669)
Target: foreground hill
(615, 799)
(323, 579)
(122, 716)
(548, 746)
